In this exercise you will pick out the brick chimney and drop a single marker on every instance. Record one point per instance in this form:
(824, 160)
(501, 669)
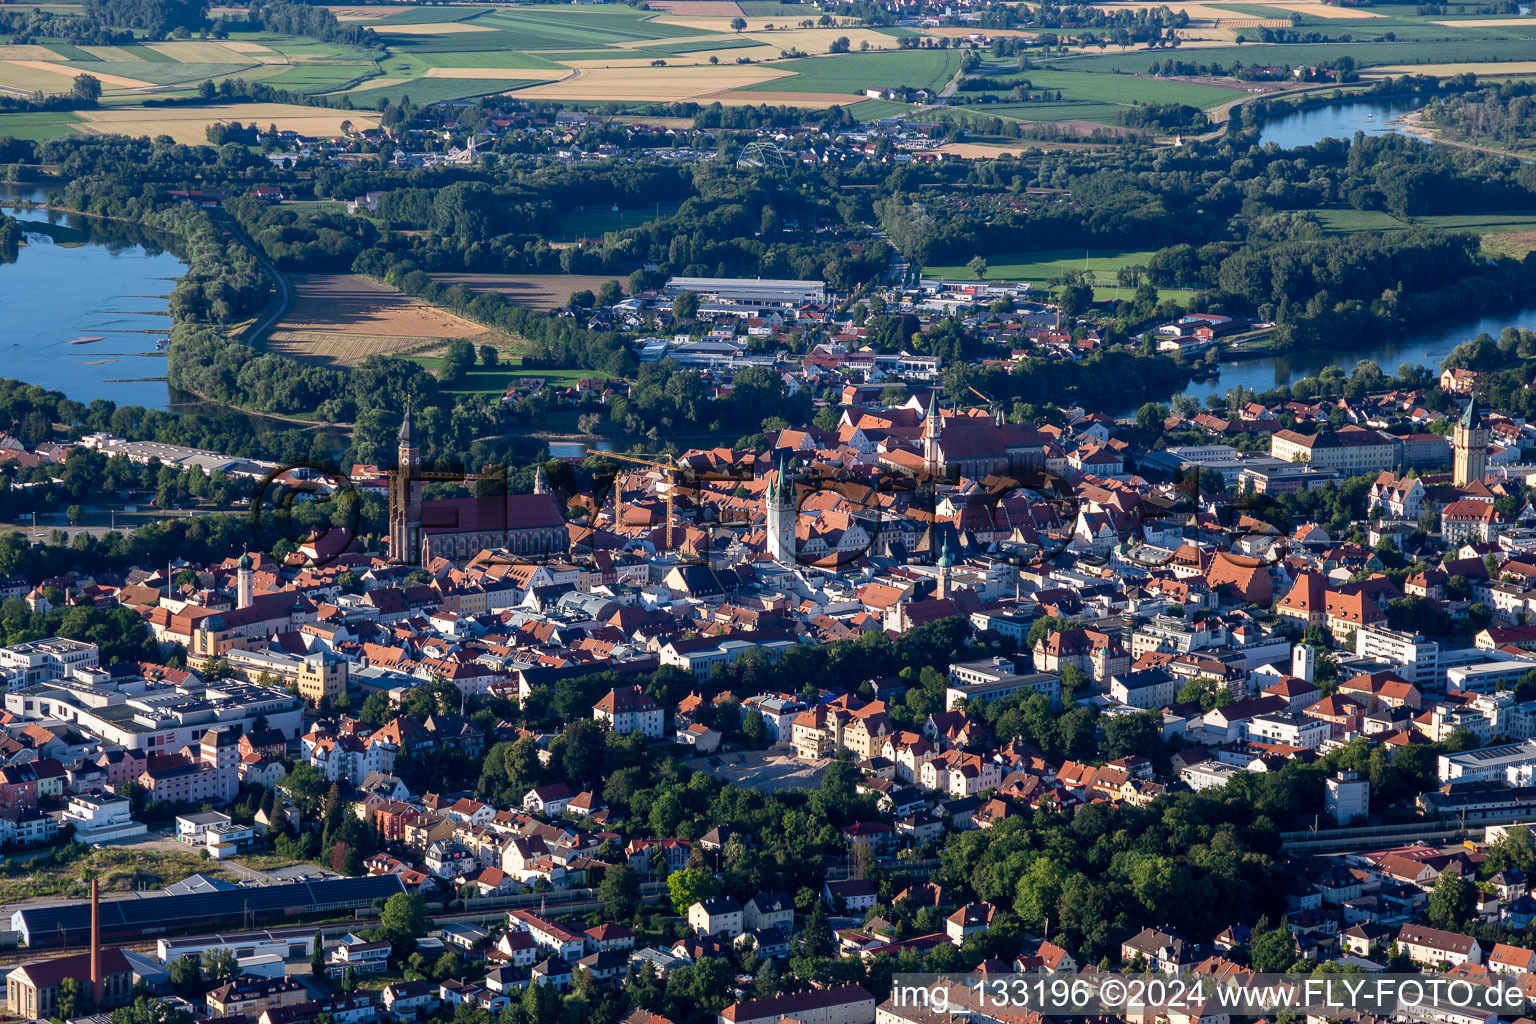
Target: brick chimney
(96, 993)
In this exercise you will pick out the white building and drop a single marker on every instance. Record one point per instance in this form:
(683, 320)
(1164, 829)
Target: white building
(102, 819)
(1348, 797)
(1488, 763)
(628, 709)
(38, 661)
(1288, 728)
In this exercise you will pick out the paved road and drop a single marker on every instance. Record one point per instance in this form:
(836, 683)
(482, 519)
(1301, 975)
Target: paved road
(284, 297)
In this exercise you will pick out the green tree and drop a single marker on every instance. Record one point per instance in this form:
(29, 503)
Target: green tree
(689, 886)
(685, 306)
(608, 293)
(459, 360)
(145, 1010)
(620, 892)
(317, 957)
(1207, 692)
(86, 89)
(490, 355)
(738, 23)
(404, 917)
(978, 265)
(73, 999)
(220, 965)
(1451, 901)
(1271, 950)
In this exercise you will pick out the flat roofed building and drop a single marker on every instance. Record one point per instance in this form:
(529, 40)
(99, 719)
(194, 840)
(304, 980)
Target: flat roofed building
(749, 291)
(1004, 685)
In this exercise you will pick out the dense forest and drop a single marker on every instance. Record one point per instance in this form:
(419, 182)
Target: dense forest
(1501, 115)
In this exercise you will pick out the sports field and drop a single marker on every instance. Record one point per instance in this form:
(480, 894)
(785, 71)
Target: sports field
(1039, 268)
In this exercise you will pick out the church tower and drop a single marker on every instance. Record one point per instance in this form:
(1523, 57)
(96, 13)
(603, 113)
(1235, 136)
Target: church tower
(933, 429)
(945, 563)
(404, 507)
(781, 516)
(243, 587)
(1470, 443)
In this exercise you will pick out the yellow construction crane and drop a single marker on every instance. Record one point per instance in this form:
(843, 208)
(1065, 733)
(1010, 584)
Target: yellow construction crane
(669, 467)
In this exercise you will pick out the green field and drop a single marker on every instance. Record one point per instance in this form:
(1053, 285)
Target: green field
(437, 90)
(1366, 54)
(1108, 113)
(1094, 87)
(483, 59)
(1038, 268)
(596, 222)
(555, 28)
(1345, 222)
(315, 78)
(855, 72)
(38, 126)
(496, 380)
(433, 15)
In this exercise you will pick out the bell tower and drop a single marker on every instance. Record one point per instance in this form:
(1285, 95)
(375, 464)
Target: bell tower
(404, 507)
(781, 515)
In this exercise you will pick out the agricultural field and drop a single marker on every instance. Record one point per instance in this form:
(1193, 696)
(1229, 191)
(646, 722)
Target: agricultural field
(189, 124)
(600, 56)
(538, 291)
(854, 72)
(342, 319)
(1501, 234)
(39, 126)
(1038, 268)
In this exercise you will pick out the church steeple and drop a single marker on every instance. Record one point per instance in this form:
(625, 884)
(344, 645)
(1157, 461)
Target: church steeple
(780, 514)
(407, 428)
(933, 429)
(404, 504)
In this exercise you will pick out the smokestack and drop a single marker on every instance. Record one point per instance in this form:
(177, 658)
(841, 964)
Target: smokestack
(95, 945)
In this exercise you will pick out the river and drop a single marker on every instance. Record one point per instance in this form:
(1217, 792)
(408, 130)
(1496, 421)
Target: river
(1426, 347)
(81, 278)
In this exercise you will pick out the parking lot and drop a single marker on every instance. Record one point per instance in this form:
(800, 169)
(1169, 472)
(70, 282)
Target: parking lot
(767, 771)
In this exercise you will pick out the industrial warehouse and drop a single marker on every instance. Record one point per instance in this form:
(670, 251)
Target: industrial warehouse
(136, 918)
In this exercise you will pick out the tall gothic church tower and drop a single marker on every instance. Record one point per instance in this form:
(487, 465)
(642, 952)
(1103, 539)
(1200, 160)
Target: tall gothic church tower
(404, 506)
(1469, 441)
(781, 516)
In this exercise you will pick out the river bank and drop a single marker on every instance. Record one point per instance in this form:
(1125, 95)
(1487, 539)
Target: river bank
(1413, 124)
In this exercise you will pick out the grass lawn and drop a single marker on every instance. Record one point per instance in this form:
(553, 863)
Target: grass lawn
(1346, 221)
(599, 220)
(1038, 268)
(38, 126)
(1127, 89)
(854, 72)
(495, 380)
